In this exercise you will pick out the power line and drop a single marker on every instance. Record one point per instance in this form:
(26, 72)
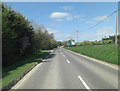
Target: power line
(102, 20)
(99, 22)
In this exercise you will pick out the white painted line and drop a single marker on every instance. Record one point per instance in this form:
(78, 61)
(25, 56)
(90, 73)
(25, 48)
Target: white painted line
(27, 75)
(97, 60)
(17, 85)
(64, 55)
(43, 60)
(86, 86)
(51, 50)
(68, 61)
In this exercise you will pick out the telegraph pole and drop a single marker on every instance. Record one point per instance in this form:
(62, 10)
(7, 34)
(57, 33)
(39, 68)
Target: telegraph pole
(77, 36)
(116, 28)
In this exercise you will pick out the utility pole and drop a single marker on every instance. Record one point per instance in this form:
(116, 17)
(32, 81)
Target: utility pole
(116, 28)
(77, 36)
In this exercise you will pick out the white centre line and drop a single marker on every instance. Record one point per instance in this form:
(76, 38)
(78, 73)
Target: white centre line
(64, 55)
(68, 61)
(86, 86)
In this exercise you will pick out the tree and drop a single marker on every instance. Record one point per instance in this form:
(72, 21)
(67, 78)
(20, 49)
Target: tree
(17, 35)
(20, 37)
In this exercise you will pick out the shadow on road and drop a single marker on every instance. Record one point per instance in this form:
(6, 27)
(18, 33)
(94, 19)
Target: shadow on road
(50, 56)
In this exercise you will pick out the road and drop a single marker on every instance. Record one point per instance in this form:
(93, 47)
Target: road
(66, 70)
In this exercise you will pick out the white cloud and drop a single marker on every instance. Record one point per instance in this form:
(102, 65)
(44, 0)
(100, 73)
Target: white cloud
(80, 17)
(97, 35)
(105, 31)
(59, 20)
(67, 8)
(59, 15)
(99, 18)
(62, 16)
(76, 16)
(52, 31)
(89, 22)
(69, 18)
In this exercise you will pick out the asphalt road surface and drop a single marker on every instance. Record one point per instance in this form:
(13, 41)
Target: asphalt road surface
(66, 70)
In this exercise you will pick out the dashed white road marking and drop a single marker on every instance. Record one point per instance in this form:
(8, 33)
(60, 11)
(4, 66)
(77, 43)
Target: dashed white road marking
(63, 55)
(68, 61)
(96, 60)
(43, 60)
(86, 86)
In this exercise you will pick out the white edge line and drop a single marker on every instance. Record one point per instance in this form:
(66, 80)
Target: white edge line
(86, 86)
(43, 60)
(68, 61)
(96, 60)
(26, 76)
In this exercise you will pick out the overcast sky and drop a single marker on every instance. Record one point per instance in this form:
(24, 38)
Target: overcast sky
(65, 18)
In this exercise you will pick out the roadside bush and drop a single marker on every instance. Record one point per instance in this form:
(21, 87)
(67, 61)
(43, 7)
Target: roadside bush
(19, 37)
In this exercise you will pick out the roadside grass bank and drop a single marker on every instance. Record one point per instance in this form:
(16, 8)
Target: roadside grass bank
(107, 53)
(12, 72)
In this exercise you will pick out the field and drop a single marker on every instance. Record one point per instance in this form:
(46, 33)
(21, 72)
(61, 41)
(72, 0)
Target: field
(11, 73)
(108, 53)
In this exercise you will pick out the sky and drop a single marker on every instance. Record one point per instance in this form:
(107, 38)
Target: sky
(65, 18)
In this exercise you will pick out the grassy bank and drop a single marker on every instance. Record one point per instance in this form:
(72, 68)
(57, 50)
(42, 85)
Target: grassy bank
(108, 53)
(12, 72)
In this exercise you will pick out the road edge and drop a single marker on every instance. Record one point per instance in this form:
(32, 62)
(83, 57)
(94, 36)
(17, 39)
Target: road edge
(14, 82)
(97, 60)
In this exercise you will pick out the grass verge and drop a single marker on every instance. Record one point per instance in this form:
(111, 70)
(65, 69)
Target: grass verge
(12, 72)
(108, 53)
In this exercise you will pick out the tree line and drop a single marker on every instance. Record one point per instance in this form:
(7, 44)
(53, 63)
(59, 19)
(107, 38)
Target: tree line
(112, 38)
(20, 38)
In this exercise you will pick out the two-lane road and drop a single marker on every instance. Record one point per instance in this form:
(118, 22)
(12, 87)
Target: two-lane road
(66, 70)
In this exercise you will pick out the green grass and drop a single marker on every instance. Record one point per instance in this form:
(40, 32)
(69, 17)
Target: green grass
(12, 72)
(108, 53)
